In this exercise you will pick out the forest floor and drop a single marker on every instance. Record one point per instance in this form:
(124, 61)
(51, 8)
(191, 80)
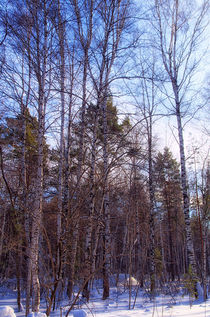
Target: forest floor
(141, 305)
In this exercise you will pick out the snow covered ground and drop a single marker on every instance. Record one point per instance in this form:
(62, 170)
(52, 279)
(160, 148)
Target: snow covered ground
(118, 305)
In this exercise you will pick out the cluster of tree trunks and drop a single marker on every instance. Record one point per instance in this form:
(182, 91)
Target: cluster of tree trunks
(117, 205)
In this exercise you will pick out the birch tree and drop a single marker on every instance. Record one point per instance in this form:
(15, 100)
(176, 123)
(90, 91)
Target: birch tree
(146, 100)
(41, 63)
(92, 196)
(179, 27)
(59, 25)
(148, 108)
(112, 16)
(83, 30)
(38, 51)
(18, 79)
(61, 39)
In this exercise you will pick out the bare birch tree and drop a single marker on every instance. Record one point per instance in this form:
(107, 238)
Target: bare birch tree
(61, 38)
(112, 16)
(179, 29)
(38, 51)
(84, 16)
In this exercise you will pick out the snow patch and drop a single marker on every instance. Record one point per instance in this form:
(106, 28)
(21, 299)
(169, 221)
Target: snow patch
(7, 311)
(126, 282)
(37, 315)
(200, 291)
(79, 313)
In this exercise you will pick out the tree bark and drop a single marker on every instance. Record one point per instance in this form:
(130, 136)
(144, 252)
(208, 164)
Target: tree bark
(41, 63)
(87, 265)
(178, 61)
(107, 237)
(85, 41)
(186, 204)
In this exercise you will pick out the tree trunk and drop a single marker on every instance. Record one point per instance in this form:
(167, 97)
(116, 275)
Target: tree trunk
(37, 212)
(205, 232)
(96, 239)
(3, 221)
(59, 263)
(107, 237)
(151, 220)
(87, 265)
(179, 63)
(62, 96)
(18, 277)
(76, 216)
(37, 215)
(186, 206)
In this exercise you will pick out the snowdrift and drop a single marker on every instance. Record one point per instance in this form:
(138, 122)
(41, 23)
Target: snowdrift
(7, 311)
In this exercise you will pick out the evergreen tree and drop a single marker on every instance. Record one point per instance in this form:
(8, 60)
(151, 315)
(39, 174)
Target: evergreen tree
(169, 204)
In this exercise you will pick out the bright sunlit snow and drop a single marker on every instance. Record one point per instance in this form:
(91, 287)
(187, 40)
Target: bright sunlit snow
(165, 305)
(6, 311)
(37, 315)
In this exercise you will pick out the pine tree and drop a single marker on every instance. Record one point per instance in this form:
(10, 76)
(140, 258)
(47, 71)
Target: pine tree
(168, 202)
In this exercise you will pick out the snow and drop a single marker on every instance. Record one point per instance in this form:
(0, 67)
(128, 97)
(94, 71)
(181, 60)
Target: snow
(79, 313)
(200, 291)
(37, 315)
(7, 311)
(164, 305)
(126, 282)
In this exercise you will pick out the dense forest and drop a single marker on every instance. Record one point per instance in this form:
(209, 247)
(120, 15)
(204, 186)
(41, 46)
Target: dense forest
(86, 191)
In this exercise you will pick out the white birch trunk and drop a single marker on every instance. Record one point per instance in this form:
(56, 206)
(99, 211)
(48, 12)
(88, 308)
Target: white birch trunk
(87, 265)
(85, 41)
(186, 203)
(37, 212)
(25, 210)
(114, 13)
(176, 56)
